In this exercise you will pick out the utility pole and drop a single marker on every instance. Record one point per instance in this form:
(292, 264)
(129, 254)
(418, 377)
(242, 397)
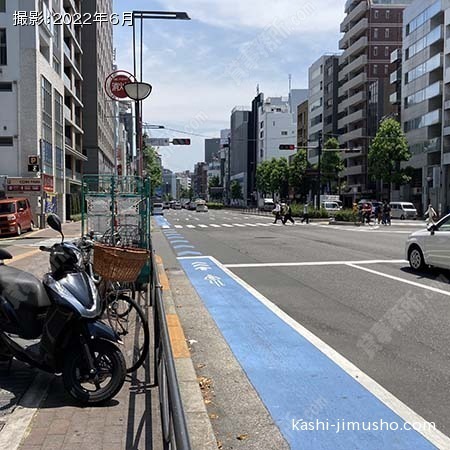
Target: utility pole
(319, 169)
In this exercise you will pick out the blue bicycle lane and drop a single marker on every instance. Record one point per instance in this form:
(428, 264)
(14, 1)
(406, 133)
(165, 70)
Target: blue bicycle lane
(309, 396)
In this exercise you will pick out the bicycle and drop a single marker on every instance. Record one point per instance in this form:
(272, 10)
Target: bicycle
(123, 313)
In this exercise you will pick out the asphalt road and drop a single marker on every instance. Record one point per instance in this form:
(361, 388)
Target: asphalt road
(346, 285)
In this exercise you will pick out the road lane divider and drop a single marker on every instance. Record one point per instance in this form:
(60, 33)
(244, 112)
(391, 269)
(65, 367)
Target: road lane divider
(292, 369)
(315, 263)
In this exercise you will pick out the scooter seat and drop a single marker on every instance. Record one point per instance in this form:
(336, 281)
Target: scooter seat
(4, 254)
(19, 287)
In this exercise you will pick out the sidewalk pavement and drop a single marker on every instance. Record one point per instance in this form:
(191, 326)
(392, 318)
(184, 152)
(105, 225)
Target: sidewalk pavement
(46, 417)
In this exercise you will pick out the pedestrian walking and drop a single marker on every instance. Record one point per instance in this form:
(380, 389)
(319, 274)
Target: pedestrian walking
(367, 213)
(431, 214)
(386, 214)
(378, 214)
(277, 212)
(305, 213)
(288, 215)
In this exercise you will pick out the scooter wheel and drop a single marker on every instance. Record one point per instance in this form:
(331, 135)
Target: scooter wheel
(102, 386)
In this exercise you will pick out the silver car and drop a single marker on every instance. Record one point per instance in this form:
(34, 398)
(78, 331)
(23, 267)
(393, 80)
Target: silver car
(430, 247)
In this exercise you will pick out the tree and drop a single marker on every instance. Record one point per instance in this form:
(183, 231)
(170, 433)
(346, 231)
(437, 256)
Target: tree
(388, 150)
(236, 190)
(153, 167)
(263, 177)
(279, 176)
(297, 169)
(214, 182)
(331, 164)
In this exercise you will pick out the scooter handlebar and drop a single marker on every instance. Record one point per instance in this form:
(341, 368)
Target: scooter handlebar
(43, 248)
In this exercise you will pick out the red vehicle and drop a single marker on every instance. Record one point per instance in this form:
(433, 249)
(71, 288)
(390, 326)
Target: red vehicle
(15, 216)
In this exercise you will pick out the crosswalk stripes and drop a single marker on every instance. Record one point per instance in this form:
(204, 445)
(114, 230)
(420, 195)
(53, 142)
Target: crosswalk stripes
(214, 225)
(226, 225)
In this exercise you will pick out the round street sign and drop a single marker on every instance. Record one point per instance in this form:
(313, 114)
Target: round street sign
(115, 82)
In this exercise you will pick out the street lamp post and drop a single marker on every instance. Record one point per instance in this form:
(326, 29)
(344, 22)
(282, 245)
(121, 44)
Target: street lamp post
(137, 90)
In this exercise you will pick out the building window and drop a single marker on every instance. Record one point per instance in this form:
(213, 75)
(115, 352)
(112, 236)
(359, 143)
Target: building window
(388, 14)
(375, 51)
(375, 69)
(375, 33)
(386, 51)
(6, 141)
(2, 6)
(377, 14)
(386, 69)
(5, 87)
(284, 133)
(3, 58)
(47, 129)
(386, 33)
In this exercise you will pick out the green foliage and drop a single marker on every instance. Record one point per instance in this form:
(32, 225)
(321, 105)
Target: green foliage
(75, 217)
(318, 213)
(297, 170)
(215, 205)
(153, 168)
(236, 190)
(331, 164)
(279, 176)
(263, 177)
(346, 215)
(214, 182)
(388, 150)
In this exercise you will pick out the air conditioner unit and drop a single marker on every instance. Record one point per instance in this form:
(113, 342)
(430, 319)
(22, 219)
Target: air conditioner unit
(417, 191)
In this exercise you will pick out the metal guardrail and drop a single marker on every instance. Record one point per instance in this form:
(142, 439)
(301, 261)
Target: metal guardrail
(174, 425)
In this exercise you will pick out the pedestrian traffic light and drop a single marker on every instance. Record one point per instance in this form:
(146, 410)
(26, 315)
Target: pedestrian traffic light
(287, 147)
(181, 142)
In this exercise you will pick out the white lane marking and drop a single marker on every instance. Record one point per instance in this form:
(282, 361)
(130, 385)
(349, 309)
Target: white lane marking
(263, 224)
(436, 437)
(317, 263)
(251, 225)
(214, 225)
(401, 280)
(197, 219)
(203, 226)
(227, 226)
(179, 226)
(240, 225)
(191, 226)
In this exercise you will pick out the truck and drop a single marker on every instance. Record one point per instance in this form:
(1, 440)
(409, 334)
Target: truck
(266, 204)
(331, 199)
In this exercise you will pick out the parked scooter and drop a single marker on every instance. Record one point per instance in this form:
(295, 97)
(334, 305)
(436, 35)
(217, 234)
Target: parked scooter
(55, 325)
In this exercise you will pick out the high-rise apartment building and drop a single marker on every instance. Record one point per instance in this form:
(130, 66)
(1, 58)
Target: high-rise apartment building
(372, 31)
(212, 149)
(41, 102)
(100, 111)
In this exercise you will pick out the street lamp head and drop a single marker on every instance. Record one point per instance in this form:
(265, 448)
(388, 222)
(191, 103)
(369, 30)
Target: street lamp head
(138, 91)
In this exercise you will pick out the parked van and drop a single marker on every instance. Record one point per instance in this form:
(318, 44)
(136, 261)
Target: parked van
(403, 210)
(15, 216)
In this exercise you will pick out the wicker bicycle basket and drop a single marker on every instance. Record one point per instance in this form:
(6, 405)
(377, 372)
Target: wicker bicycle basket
(119, 264)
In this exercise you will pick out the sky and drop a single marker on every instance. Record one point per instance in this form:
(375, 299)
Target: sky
(201, 69)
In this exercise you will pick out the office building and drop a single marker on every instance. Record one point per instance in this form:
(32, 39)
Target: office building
(212, 149)
(100, 112)
(302, 124)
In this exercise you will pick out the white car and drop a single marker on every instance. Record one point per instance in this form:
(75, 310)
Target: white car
(430, 247)
(158, 209)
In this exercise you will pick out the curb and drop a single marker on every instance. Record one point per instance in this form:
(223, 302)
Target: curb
(200, 430)
(348, 224)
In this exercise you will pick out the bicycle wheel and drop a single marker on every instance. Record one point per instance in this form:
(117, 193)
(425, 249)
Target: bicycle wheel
(128, 320)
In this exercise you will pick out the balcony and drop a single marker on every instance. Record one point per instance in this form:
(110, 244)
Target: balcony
(355, 48)
(353, 83)
(396, 77)
(351, 135)
(67, 82)
(353, 33)
(353, 15)
(352, 67)
(67, 113)
(352, 118)
(67, 51)
(352, 171)
(354, 100)
(396, 55)
(68, 141)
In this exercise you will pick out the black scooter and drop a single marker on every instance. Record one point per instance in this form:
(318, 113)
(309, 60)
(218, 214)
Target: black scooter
(55, 325)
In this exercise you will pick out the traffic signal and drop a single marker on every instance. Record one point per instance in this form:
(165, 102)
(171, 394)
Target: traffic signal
(287, 147)
(181, 142)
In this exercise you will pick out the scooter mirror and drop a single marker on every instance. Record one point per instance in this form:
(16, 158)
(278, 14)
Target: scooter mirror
(54, 222)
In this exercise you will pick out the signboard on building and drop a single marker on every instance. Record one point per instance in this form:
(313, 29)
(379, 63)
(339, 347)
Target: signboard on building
(24, 184)
(48, 183)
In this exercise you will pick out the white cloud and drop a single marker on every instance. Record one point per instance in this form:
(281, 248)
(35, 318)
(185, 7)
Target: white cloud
(317, 16)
